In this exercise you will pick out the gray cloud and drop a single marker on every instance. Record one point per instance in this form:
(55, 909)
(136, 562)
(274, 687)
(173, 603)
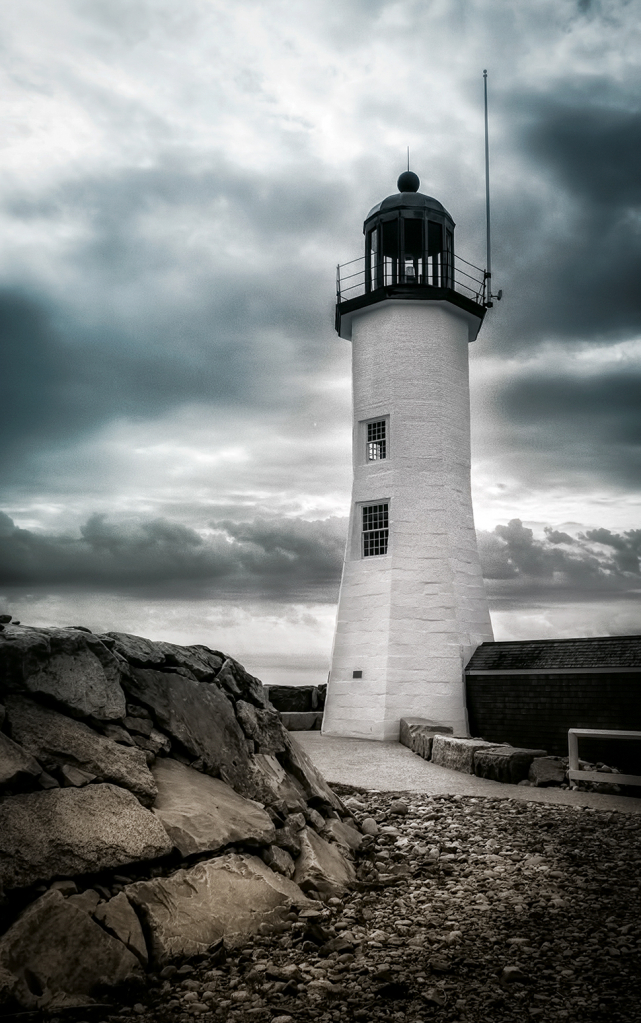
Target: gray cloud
(516, 563)
(295, 559)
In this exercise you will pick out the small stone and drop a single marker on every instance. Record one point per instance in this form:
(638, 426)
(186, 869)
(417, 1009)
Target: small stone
(398, 807)
(512, 975)
(74, 777)
(65, 887)
(369, 827)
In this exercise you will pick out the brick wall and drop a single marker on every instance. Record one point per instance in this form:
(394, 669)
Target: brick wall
(536, 711)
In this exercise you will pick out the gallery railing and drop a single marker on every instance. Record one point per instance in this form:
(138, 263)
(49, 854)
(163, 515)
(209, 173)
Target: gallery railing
(442, 270)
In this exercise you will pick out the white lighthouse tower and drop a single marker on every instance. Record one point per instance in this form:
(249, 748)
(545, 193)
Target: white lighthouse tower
(412, 604)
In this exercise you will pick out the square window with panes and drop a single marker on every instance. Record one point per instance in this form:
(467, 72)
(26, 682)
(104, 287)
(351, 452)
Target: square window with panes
(375, 529)
(376, 440)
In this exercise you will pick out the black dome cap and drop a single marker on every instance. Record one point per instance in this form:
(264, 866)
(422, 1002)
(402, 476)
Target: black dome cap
(408, 182)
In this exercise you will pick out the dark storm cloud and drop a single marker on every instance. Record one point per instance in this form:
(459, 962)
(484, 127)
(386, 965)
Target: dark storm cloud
(224, 307)
(595, 415)
(293, 559)
(271, 559)
(568, 231)
(517, 563)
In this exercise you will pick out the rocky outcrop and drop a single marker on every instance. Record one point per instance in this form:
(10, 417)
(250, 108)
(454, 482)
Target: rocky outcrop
(119, 918)
(16, 765)
(202, 814)
(65, 832)
(231, 896)
(57, 740)
(320, 866)
(200, 717)
(122, 761)
(71, 668)
(57, 956)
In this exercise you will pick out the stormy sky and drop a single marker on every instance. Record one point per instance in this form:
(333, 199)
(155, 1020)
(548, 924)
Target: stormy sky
(178, 181)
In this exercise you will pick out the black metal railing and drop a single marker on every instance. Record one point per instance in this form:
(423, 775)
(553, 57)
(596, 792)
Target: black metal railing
(442, 270)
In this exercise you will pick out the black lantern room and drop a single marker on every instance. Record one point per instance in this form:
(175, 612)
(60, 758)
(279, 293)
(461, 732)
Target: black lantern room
(409, 254)
(409, 239)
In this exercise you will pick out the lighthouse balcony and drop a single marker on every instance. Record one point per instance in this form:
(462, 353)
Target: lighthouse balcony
(443, 277)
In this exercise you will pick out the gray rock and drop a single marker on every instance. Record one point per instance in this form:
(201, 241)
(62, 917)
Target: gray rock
(274, 785)
(200, 717)
(288, 838)
(74, 777)
(16, 764)
(154, 743)
(87, 901)
(137, 650)
(73, 668)
(65, 832)
(57, 740)
(505, 763)
(120, 919)
(344, 835)
(320, 866)
(203, 814)
(279, 860)
(370, 827)
(240, 684)
(57, 956)
(458, 754)
(314, 785)
(228, 897)
(117, 734)
(138, 725)
(418, 734)
(547, 771)
(263, 725)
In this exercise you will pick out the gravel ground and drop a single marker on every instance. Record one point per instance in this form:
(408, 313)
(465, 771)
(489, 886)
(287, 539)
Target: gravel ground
(467, 909)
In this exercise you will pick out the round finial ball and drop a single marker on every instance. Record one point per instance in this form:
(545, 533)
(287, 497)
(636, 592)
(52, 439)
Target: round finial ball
(408, 182)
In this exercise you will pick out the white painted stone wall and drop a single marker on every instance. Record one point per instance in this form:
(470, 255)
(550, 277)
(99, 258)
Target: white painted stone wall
(409, 620)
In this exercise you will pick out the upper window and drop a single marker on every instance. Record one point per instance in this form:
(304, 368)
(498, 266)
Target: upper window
(376, 440)
(375, 529)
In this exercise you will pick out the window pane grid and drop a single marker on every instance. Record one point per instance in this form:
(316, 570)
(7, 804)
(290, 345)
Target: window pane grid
(376, 441)
(375, 529)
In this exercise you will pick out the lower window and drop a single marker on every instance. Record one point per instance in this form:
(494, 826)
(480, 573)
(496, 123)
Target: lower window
(375, 529)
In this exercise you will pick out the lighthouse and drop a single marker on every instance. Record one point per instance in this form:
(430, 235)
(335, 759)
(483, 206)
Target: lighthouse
(412, 605)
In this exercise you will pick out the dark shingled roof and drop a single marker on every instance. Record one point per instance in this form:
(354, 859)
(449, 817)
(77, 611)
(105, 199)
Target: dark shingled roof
(540, 654)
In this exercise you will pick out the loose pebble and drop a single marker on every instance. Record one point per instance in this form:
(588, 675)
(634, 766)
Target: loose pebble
(464, 909)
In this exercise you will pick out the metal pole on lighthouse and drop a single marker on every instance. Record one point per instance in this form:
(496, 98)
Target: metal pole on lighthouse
(412, 605)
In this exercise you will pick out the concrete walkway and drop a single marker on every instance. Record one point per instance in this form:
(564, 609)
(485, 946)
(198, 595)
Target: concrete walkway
(389, 766)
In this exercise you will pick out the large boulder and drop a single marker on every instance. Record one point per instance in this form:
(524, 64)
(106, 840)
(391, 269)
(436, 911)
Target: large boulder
(229, 897)
(70, 667)
(57, 740)
(58, 957)
(275, 785)
(505, 763)
(63, 832)
(321, 867)
(263, 725)
(201, 663)
(203, 814)
(16, 765)
(201, 718)
(119, 917)
(458, 754)
(344, 834)
(418, 735)
(297, 763)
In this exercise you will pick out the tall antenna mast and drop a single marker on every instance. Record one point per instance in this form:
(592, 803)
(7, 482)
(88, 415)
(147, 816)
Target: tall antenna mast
(488, 270)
